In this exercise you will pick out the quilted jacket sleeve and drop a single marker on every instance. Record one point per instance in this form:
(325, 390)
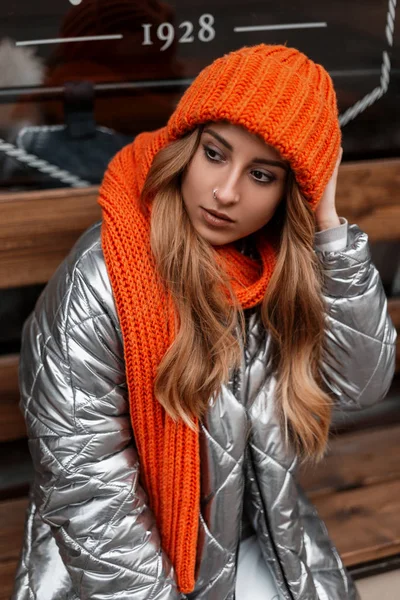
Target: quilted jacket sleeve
(73, 396)
(360, 362)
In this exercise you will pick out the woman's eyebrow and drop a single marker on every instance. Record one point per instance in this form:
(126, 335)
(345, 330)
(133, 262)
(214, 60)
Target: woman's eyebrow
(273, 163)
(219, 138)
(263, 161)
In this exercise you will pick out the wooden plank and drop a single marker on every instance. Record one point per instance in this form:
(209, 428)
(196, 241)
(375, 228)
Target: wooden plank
(7, 576)
(37, 229)
(394, 311)
(355, 459)
(12, 519)
(367, 194)
(381, 223)
(12, 425)
(364, 523)
(356, 490)
(365, 185)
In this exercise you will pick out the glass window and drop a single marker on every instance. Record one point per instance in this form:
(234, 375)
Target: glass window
(80, 78)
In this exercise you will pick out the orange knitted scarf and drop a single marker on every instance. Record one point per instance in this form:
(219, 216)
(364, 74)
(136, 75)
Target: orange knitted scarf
(168, 451)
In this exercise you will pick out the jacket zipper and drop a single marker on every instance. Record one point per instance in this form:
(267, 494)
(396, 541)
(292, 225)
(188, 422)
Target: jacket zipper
(235, 379)
(277, 557)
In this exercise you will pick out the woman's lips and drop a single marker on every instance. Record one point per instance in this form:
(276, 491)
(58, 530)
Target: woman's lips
(218, 214)
(211, 219)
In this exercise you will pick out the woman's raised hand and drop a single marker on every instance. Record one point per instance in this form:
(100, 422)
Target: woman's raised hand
(325, 213)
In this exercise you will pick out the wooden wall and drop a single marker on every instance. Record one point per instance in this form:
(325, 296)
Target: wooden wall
(37, 229)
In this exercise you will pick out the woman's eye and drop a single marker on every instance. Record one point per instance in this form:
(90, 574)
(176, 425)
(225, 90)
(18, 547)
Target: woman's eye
(262, 177)
(211, 154)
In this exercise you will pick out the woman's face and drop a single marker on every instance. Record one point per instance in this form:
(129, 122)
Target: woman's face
(248, 178)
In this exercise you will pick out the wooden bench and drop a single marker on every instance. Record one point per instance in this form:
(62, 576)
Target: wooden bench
(356, 488)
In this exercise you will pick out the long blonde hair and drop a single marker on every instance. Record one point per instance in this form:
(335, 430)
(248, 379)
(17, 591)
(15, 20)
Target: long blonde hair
(209, 330)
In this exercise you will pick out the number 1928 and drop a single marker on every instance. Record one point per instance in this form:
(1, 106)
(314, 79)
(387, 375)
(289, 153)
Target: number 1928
(166, 32)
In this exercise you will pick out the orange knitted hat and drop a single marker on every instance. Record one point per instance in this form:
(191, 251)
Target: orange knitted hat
(281, 95)
(277, 93)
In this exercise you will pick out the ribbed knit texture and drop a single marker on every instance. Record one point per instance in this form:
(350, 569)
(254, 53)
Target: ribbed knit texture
(277, 93)
(281, 95)
(168, 451)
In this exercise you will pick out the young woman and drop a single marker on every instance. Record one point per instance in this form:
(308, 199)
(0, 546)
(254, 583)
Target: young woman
(188, 353)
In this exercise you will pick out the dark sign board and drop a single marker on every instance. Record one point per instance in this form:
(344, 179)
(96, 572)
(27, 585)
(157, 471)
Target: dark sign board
(79, 78)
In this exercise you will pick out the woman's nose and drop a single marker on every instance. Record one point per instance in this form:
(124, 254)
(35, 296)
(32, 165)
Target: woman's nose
(228, 191)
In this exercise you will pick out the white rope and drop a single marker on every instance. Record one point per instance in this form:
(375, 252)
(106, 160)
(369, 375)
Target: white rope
(391, 15)
(372, 97)
(42, 165)
(378, 92)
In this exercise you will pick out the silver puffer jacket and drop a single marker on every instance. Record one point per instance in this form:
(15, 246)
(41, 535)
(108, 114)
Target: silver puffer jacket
(89, 532)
